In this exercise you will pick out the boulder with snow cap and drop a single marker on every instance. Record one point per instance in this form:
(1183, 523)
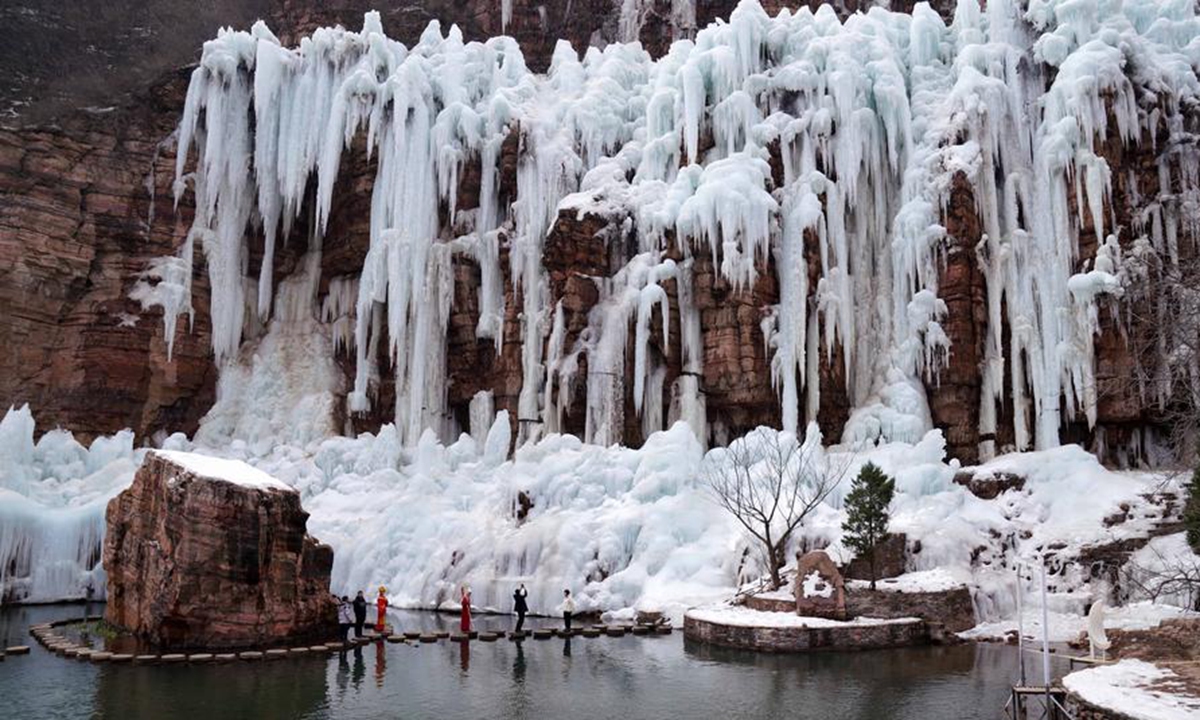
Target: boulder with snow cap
(203, 552)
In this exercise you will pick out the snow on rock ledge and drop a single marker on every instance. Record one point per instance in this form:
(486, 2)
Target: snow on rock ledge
(1130, 689)
(205, 552)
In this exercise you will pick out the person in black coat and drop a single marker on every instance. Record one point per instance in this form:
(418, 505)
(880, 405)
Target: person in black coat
(520, 606)
(360, 613)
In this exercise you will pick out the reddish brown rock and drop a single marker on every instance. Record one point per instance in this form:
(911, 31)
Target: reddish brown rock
(820, 590)
(195, 561)
(989, 485)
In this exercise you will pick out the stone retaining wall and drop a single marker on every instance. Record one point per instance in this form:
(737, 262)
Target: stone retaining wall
(803, 639)
(1080, 709)
(952, 608)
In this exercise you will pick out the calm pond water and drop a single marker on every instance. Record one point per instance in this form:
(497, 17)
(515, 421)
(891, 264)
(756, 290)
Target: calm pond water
(619, 678)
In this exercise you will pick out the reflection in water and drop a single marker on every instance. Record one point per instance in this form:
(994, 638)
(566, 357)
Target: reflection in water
(380, 662)
(264, 691)
(629, 677)
(360, 668)
(519, 664)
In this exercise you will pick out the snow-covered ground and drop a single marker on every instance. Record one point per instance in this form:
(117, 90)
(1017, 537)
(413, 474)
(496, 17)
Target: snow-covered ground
(1135, 689)
(744, 617)
(620, 527)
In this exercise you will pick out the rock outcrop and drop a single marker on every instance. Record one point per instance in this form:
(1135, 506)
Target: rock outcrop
(204, 553)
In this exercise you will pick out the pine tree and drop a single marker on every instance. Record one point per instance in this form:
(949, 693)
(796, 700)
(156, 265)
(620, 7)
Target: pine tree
(1191, 512)
(867, 513)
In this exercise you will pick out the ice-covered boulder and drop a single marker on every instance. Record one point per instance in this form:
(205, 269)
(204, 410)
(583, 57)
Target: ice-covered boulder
(206, 552)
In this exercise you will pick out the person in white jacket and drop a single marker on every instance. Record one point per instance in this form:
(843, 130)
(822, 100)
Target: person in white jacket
(345, 617)
(568, 609)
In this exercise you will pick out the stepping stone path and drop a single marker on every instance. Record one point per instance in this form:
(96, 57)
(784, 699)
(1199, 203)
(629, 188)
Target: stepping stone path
(428, 638)
(250, 655)
(298, 651)
(17, 650)
(200, 658)
(518, 635)
(641, 630)
(226, 657)
(121, 658)
(144, 659)
(101, 657)
(542, 634)
(458, 637)
(174, 658)
(591, 633)
(442, 634)
(615, 631)
(488, 637)
(276, 654)
(411, 635)
(664, 630)
(396, 639)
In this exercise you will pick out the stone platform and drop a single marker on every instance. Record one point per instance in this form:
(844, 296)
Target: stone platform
(786, 632)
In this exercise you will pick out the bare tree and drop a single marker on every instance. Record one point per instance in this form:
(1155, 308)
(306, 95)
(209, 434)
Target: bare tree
(1173, 580)
(770, 483)
(1161, 317)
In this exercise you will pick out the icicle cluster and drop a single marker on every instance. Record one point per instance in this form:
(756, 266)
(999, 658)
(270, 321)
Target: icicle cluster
(869, 119)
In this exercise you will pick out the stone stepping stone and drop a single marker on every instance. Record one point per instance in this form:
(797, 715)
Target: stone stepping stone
(488, 637)
(641, 630)
(83, 654)
(276, 654)
(121, 658)
(543, 634)
(319, 648)
(428, 638)
(663, 630)
(250, 655)
(225, 657)
(459, 638)
(17, 650)
(473, 634)
(591, 633)
(396, 639)
(412, 635)
(517, 635)
(101, 657)
(442, 634)
(200, 658)
(2, 656)
(174, 658)
(615, 632)
(298, 651)
(144, 659)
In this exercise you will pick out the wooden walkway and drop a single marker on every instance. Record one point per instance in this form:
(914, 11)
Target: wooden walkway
(49, 637)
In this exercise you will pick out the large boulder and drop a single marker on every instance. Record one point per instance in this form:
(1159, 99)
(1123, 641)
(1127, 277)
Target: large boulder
(820, 589)
(208, 553)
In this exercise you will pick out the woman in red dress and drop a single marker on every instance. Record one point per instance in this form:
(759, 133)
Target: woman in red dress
(381, 603)
(465, 599)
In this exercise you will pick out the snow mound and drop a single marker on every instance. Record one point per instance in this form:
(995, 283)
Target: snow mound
(921, 581)
(1135, 689)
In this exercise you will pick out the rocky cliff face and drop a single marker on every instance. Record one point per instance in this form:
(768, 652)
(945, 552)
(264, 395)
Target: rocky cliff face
(199, 561)
(85, 205)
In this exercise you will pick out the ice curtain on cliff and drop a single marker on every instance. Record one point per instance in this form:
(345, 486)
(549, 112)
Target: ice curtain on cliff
(818, 150)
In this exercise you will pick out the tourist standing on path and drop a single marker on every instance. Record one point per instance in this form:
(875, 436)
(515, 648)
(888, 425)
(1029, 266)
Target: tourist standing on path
(520, 606)
(360, 613)
(568, 609)
(381, 604)
(465, 600)
(345, 617)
